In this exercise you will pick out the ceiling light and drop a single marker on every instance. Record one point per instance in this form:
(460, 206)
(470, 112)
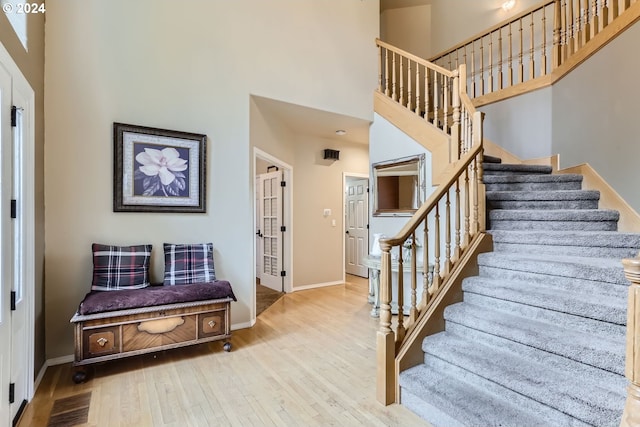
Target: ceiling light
(508, 5)
(341, 132)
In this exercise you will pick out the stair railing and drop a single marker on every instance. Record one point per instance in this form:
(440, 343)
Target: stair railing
(530, 44)
(448, 222)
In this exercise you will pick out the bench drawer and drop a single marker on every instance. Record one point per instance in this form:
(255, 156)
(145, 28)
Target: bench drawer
(101, 341)
(158, 332)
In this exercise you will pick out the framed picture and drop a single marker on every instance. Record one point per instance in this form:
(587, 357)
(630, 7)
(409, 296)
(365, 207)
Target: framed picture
(158, 170)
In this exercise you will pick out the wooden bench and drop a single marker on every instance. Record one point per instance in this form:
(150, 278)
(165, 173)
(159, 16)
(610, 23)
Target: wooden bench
(116, 324)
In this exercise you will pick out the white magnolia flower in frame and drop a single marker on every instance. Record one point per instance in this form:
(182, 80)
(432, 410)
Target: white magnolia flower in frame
(162, 163)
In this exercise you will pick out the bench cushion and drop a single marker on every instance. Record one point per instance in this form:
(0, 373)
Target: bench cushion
(100, 301)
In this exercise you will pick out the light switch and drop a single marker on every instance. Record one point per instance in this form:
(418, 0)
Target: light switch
(333, 222)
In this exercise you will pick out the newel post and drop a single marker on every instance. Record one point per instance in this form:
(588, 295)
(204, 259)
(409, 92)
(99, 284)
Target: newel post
(631, 415)
(385, 338)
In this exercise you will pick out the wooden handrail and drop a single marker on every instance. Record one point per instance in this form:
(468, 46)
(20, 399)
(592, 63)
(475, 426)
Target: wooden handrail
(415, 58)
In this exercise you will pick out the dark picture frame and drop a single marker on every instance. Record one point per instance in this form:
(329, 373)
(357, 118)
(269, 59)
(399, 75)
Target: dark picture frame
(158, 170)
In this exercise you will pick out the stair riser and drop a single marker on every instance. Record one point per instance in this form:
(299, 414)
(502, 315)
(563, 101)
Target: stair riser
(497, 224)
(594, 252)
(510, 169)
(607, 359)
(533, 186)
(564, 284)
(424, 410)
(542, 204)
(613, 382)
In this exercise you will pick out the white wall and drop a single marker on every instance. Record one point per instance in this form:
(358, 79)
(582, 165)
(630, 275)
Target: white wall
(408, 28)
(190, 66)
(596, 115)
(522, 125)
(387, 142)
(453, 21)
(318, 256)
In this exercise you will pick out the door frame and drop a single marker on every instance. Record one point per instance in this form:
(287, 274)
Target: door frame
(346, 175)
(287, 214)
(26, 209)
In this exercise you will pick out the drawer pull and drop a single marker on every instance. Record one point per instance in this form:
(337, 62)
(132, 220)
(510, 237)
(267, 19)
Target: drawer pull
(102, 341)
(212, 323)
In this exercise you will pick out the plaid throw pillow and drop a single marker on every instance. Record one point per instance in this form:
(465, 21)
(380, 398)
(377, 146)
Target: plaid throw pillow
(120, 267)
(186, 264)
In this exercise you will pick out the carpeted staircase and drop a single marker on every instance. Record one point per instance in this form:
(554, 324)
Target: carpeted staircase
(539, 339)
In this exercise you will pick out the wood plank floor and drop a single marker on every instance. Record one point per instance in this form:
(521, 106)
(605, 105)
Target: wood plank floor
(308, 361)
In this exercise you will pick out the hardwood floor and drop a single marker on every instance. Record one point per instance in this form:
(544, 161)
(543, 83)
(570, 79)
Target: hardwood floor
(309, 360)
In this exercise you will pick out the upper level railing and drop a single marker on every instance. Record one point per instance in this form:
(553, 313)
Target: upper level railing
(530, 44)
(443, 228)
(437, 95)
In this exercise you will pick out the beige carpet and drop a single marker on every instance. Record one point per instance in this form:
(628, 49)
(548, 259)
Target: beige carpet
(265, 297)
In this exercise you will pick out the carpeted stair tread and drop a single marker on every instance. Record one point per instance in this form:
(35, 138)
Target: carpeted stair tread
(511, 179)
(605, 239)
(554, 215)
(594, 348)
(506, 168)
(554, 219)
(607, 270)
(544, 195)
(587, 304)
(564, 284)
(556, 388)
(613, 382)
(533, 182)
(607, 244)
(446, 401)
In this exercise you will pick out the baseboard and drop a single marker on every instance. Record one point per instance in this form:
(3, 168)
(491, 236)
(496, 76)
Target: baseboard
(317, 285)
(243, 325)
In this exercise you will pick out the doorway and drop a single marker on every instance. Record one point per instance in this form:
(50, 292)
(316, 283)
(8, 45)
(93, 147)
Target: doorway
(273, 220)
(356, 214)
(17, 231)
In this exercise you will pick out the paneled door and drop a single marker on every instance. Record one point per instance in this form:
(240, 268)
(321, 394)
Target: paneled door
(271, 230)
(356, 224)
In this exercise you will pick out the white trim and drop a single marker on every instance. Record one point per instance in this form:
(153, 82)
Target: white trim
(318, 285)
(287, 261)
(60, 360)
(345, 175)
(27, 206)
(243, 325)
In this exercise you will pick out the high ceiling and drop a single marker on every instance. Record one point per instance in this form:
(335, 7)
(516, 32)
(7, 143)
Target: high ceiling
(395, 4)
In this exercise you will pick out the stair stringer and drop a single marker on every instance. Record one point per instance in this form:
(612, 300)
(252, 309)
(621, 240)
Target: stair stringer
(430, 137)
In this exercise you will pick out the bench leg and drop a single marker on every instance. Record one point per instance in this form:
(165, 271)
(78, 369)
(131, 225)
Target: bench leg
(79, 376)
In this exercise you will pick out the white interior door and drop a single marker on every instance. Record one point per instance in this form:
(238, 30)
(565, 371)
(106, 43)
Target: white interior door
(258, 227)
(6, 258)
(19, 325)
(270, 227)
(356, 221)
